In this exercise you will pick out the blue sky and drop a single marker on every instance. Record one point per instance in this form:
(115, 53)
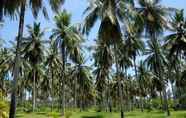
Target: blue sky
(76, 8)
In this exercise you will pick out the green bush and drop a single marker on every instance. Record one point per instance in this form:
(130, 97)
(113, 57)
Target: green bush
(156, 103)
(68, 114)
(3, 109)
(54, 115)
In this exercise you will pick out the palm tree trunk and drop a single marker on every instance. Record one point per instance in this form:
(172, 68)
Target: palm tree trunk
(34, 92)
(166, 102)
(52, 95)
(108, 97)
(165, 105)
(119, 86)
(173, 94)
(121, 100)
(17, 59)
(75, 95)
(63, 80)
(141, 104)
(161, 98)
(136, 74)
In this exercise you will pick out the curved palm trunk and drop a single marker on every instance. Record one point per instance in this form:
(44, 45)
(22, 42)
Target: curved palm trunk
(17, 59)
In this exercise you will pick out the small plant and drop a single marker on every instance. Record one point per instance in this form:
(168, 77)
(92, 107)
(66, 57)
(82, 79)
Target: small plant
(68, 114)
(54, 115)
(3, 109)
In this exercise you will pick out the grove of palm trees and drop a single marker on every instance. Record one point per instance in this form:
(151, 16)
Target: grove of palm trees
(124, 59)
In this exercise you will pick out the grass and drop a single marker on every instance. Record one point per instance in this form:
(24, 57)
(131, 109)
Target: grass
(92, 114)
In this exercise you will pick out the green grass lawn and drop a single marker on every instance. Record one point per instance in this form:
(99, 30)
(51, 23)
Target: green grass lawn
(92, 114)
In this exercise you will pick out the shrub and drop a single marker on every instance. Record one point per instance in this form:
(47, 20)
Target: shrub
(68, 114)
(3, 109)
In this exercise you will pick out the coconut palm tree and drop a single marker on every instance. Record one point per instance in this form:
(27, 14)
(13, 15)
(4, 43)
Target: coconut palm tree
(103, 56)
(12, 7)
(68, 39)
(109, 30)
(54, 64)
(83, 84)
(6, 64)
(33, 52)
(153, 16)
(156, 62)
(145, 81)
(175, 43)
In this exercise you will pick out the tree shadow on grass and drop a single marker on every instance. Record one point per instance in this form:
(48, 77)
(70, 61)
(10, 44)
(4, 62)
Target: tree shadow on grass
(97, 116)
(19, 116)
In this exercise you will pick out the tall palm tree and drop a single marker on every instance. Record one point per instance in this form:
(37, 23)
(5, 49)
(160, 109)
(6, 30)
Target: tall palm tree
(54, 63)
(145, 81)
(175, 43)
(153, 16)
(156, 62)
(103, 56)
(6, 65)
(12, 7)
(108, 11)
(33, 52)
(68, 39)
(83, 83)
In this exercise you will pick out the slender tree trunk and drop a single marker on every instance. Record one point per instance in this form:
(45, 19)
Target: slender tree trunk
(52, 93)
(136, 74)
(166, 102)
(120, 84)
(75, 95)
(108, 97)
(121, 99)
(63, 80)
(17, 59)
(34, 91)
(161, 98)
(141, 104)
(165, 99)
